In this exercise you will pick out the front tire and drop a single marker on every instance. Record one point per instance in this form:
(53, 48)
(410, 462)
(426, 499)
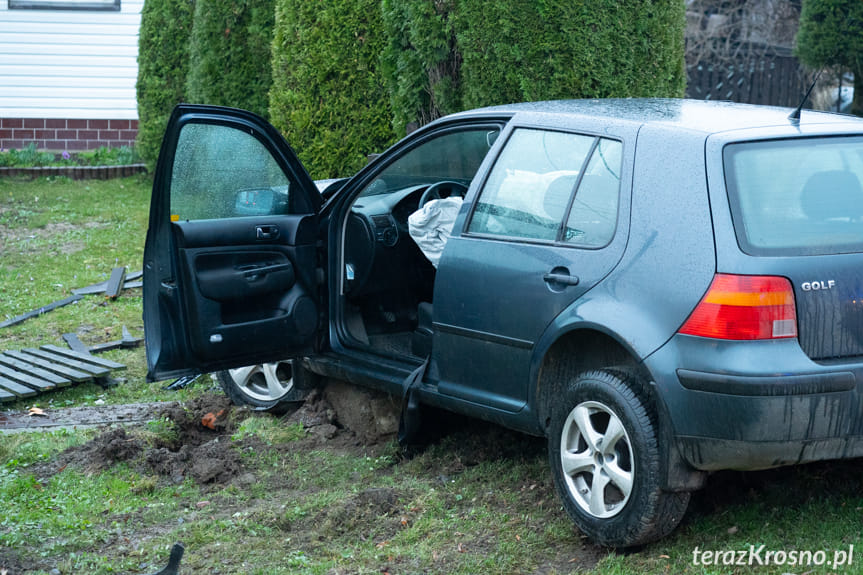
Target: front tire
(267, 387)
(605, 461)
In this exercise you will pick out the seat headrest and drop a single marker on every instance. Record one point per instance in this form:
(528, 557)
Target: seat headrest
(832, 194)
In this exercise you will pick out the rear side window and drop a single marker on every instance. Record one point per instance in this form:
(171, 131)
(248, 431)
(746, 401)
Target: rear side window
(797, 197)
(552, 187)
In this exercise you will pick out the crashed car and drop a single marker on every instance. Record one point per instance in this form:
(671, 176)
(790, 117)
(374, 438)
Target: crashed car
(662, 288)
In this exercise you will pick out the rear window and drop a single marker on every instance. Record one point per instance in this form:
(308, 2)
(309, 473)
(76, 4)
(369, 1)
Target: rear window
(797, 197)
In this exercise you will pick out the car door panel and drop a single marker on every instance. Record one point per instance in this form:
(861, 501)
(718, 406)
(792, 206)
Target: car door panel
(244, 290)
(224, 288)
(504, 280)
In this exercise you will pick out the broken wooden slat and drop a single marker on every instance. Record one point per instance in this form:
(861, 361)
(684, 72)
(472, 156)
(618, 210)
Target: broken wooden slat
(29, 368)
(31, 381)
(95, 370)
(107, 346)
(127, 342)
(41, 310)
(115, 283)
(107, 363)
(73, 374)
(76, 344)
(95, 288)
(6, 396)
(16, 388)
(100, 287)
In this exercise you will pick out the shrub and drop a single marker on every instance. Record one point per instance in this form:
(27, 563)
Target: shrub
(230, 54)
(831, 34)
(420, 61)
(525, 50)
(30, 156)
(163, 56)
(329, 96)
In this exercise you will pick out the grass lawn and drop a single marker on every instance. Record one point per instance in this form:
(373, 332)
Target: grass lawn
(287, 500)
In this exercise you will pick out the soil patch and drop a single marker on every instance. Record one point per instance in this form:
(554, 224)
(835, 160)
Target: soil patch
(12, 564)
(341, 415)
(77, 417)
(371, 514)
(196, 445)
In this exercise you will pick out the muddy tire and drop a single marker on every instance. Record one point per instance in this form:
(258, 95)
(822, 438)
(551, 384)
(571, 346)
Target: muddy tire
(605, 461)
(268, 387)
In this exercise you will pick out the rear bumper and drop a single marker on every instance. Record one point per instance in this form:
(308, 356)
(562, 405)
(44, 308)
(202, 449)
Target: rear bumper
(755, 405)
(714, 454)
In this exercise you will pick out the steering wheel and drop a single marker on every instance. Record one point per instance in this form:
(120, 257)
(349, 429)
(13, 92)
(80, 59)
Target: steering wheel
(433, 191)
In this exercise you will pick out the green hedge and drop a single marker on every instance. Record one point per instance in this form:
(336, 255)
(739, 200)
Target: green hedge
(420, 61)
(831, 34)
(343, 78)
(523, 50)
(163, 56)
(230, 54)
(329, 97)
(443, 56)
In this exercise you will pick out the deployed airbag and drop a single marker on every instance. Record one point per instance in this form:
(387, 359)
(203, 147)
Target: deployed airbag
(431, 226)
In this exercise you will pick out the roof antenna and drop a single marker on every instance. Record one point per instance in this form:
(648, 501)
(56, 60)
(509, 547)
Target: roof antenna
(795, 115)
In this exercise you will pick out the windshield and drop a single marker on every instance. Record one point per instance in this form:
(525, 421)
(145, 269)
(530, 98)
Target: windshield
(797, 197)
(453, 156)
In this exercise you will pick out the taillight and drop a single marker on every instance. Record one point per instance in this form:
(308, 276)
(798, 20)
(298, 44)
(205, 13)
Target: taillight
(745, 307)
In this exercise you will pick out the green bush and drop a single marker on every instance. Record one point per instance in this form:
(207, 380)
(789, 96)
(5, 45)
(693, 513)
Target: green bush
(230, 54)
(831, 34)
(26, 157)
(29, 157)
(523, 50)
(420, 61)
(163, 57)
(329, 96)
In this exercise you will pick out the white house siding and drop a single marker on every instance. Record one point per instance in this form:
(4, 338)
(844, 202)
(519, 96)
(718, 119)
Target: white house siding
(67, 77)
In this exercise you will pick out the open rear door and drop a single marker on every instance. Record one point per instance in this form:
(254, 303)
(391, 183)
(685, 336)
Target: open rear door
(230, 260)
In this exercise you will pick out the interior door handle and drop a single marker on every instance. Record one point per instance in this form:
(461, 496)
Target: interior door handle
(255, 273)
(267, 232)
(558, 278)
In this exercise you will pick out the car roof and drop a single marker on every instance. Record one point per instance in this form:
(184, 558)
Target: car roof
(696, 115)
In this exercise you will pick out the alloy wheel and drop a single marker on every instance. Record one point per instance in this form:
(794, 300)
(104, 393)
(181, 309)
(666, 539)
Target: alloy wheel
(264, 382)
(597, 460)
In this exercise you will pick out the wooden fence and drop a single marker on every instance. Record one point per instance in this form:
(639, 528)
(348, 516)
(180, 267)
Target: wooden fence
(771, 80)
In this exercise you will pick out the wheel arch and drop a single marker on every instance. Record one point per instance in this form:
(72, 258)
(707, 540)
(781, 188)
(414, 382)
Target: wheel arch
(590, 346)
(574, 350)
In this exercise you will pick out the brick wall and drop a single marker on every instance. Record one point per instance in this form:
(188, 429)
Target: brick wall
(73, 135)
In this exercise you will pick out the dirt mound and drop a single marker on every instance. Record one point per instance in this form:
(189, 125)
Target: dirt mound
(12, 564)
(371, 417)
(317, 416)
(196, 444)
(370, 514)
(212, 462)
(103, 451)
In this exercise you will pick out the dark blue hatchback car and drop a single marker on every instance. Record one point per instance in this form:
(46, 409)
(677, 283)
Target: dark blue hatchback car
(660, 287)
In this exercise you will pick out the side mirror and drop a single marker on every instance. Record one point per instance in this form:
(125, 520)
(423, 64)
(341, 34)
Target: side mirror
(260, 202)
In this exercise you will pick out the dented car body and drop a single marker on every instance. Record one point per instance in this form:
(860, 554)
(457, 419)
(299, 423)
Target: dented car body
(660, 287)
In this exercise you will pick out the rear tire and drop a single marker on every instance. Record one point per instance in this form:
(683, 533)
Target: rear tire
(605, 461)
(266, 387)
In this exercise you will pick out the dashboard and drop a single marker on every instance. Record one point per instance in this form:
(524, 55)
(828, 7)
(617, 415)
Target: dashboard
(377, 242)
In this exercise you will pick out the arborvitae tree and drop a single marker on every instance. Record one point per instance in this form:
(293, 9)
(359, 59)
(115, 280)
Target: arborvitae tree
(831, 34)
(230, 54)
(523, 50)
(163, 57)
(420, 61)
(329, 97)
